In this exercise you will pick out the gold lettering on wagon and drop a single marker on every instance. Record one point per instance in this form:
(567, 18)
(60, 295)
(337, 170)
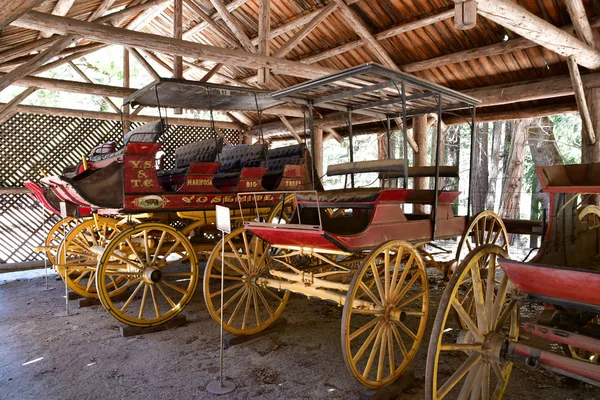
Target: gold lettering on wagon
(142, 177)
(199, 182)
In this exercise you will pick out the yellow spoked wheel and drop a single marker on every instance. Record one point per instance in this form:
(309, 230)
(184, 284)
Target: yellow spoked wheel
(248, 308)
(385, 314)
(464, 358)
(590, 214)
(158, 267)
(485, 228)
(79, 253)
(56, 235)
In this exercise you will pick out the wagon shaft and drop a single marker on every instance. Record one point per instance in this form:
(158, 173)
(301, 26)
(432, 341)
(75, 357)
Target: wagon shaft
(584, 371)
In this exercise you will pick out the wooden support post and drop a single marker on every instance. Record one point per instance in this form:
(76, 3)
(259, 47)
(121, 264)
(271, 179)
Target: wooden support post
(177, 34)
(126, 84)
(591, 152)
(318, 134)
(586, 119)
(264, 30)
(465, 15)
(580, 21)
(420, 157)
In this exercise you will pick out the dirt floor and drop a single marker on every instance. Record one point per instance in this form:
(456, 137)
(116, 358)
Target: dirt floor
(83, 356)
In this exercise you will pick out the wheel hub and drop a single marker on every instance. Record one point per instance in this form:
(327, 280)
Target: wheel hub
(494, 346)
(152, 275)
(395, 314)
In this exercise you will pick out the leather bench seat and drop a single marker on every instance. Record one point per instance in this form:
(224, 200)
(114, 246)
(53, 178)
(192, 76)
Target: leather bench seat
(234, 158)
(147, 133)
(361, 195)
(205, 150)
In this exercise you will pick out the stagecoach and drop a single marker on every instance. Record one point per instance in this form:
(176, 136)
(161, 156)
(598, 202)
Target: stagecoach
(134, 230)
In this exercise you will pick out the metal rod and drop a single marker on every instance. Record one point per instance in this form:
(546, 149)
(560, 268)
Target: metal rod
(389, 146)
(436, 184)
(471, 163)
(351, 144)
(404, 135)
(311, 127)
(222, 284)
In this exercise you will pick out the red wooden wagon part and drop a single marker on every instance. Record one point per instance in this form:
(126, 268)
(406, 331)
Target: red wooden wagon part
(477, 320)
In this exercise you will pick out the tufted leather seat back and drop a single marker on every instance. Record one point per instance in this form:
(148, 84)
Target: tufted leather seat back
(147, 133)
(200, 151)
(234, 158)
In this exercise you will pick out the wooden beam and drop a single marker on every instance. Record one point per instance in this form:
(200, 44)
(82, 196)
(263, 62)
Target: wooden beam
(88, 80)
(101, 10)
(584, 112)
(147, 15)
(212, 72)
(66, 112)
(465, 14)
(139, 40)
(264, 30)
(61, 7)
(9, 109)
(290, 128)
(24, 49)
(529, 90)
(360, 28)
(331, 133)
(234, 25)
(522, 113)
(12, 10)
(306, 29)
(234, 5)
(580, 21)
(36, 62)
(240, 116)
(534, 28)
(223, 34)
(144, 63)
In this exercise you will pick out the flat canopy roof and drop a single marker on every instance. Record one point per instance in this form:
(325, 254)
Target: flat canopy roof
(180, 93)
(373, 89)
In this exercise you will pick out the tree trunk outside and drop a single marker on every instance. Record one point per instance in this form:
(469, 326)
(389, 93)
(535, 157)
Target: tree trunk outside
(494, 165)
(513, 177)
(480, 176)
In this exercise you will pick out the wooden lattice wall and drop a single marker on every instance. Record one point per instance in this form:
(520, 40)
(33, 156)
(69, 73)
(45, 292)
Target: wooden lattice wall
(29, 142)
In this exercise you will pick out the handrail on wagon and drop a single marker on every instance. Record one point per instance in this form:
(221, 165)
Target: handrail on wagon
(284, 196)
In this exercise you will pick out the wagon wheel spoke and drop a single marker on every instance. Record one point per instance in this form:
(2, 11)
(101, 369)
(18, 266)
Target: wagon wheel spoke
(167, 286)
(249, 304)
(478, 337)
(387, 299)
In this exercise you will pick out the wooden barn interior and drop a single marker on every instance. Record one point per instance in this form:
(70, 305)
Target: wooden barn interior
(519, 59)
